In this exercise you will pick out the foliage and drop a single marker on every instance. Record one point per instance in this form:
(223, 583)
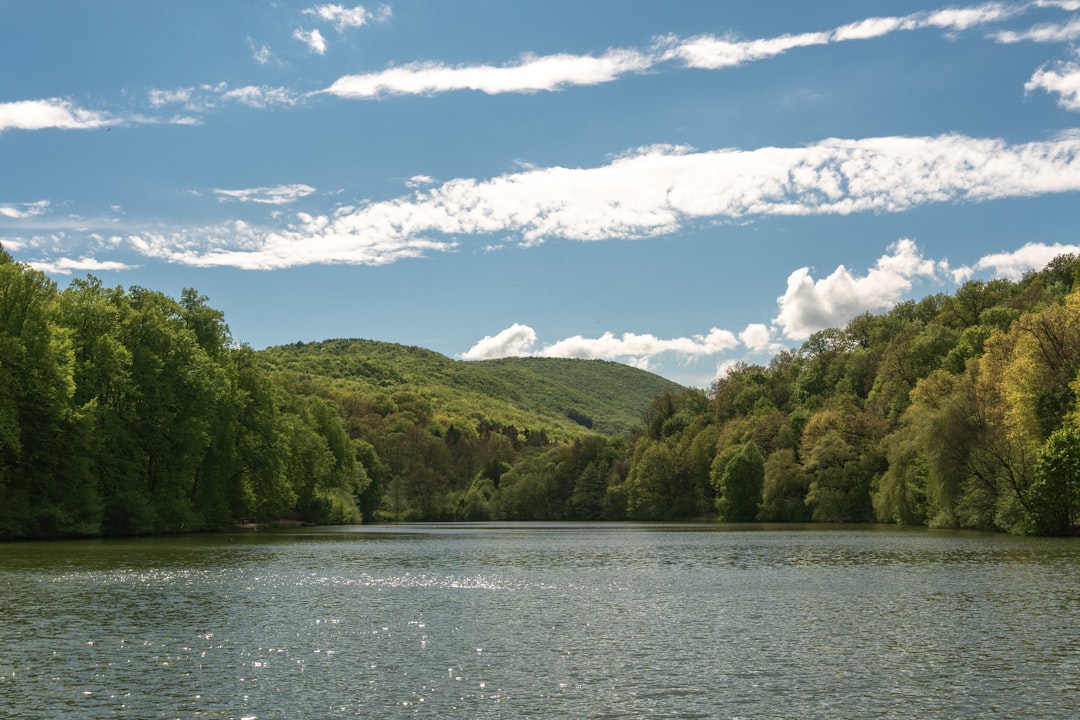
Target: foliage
(128, 412)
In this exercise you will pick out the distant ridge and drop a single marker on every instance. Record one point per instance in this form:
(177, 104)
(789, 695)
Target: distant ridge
(565, 396)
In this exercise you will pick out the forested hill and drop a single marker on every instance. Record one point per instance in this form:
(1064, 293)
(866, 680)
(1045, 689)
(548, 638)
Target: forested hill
(562, 397)
(130, 412)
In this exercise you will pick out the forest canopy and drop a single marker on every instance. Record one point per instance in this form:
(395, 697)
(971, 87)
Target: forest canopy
(126, 412)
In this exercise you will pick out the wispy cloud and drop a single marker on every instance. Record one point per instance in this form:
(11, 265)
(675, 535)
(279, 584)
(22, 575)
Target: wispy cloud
(314, 40)
(529, 74)
(277, 195)
(711, 52)
(342, 18)
(532, 73)
(354, 17)
(58, 113)
(66, 266)
(19, 211)
(203, 98)
(652, 192)
(1062, 78)
(1043, 33)
(261, 53)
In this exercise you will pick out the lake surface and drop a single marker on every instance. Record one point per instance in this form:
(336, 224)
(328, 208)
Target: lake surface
(544, 621)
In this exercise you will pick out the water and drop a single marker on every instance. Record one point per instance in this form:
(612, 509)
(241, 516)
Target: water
(543, 621)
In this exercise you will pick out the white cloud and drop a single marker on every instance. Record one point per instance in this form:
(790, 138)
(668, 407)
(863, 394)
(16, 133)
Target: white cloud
(49, 113)
(1013, 265)
(260, 96)
(261, 53)
(354, 17)
(515, 341)
(870, 28)
(178, 96)
(417, 181)
(638, 350)
(202, 98)
(709, 52)
(19, 211)
(713, 53)
(969, 17)
(652, 192)
(757, 337)
(1071, 5)
(1044, 33)
(557, 72)
(277, 195)
(528, 74)
(1063, 79)
(808, 305)
(66, 266)
(314, 40)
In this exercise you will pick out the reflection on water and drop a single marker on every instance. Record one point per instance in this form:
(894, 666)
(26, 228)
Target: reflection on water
(544, 620)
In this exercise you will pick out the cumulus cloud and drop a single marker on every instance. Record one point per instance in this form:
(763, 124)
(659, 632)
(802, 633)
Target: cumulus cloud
(810, 305)
(636, 349)
(277, 195)
(757, 337)
(655, 191)
(314, 40)
(19, 211)
(57, 113)
(1063, 79)
(1013, 265)
(529, 74)
(515, 341)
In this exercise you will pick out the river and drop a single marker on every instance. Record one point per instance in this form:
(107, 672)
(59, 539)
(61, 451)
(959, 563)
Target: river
(543, 621)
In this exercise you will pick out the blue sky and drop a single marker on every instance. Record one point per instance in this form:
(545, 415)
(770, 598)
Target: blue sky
(676, 186)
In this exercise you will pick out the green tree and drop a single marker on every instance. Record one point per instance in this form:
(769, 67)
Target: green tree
(784, 489)
(46, 488)
(739, 486)
(1054, 497)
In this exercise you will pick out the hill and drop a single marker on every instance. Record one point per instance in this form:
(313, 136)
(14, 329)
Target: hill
(565, 397)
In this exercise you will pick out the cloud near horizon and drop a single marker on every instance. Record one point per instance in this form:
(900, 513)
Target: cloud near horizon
(66, 266)
(806, 307)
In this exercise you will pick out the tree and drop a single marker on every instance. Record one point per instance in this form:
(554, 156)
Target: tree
(46, 489)
(784, 488)
(739, 486)
(1054, 497)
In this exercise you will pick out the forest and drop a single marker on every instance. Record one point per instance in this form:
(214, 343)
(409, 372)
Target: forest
(127, 412)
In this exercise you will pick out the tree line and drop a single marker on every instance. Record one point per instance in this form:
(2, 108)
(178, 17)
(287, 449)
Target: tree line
(129, 412)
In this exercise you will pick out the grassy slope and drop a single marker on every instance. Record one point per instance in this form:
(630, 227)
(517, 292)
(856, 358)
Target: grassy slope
(526, 392)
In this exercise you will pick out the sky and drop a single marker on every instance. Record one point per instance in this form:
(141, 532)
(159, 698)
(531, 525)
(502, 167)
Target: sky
(678, 186)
